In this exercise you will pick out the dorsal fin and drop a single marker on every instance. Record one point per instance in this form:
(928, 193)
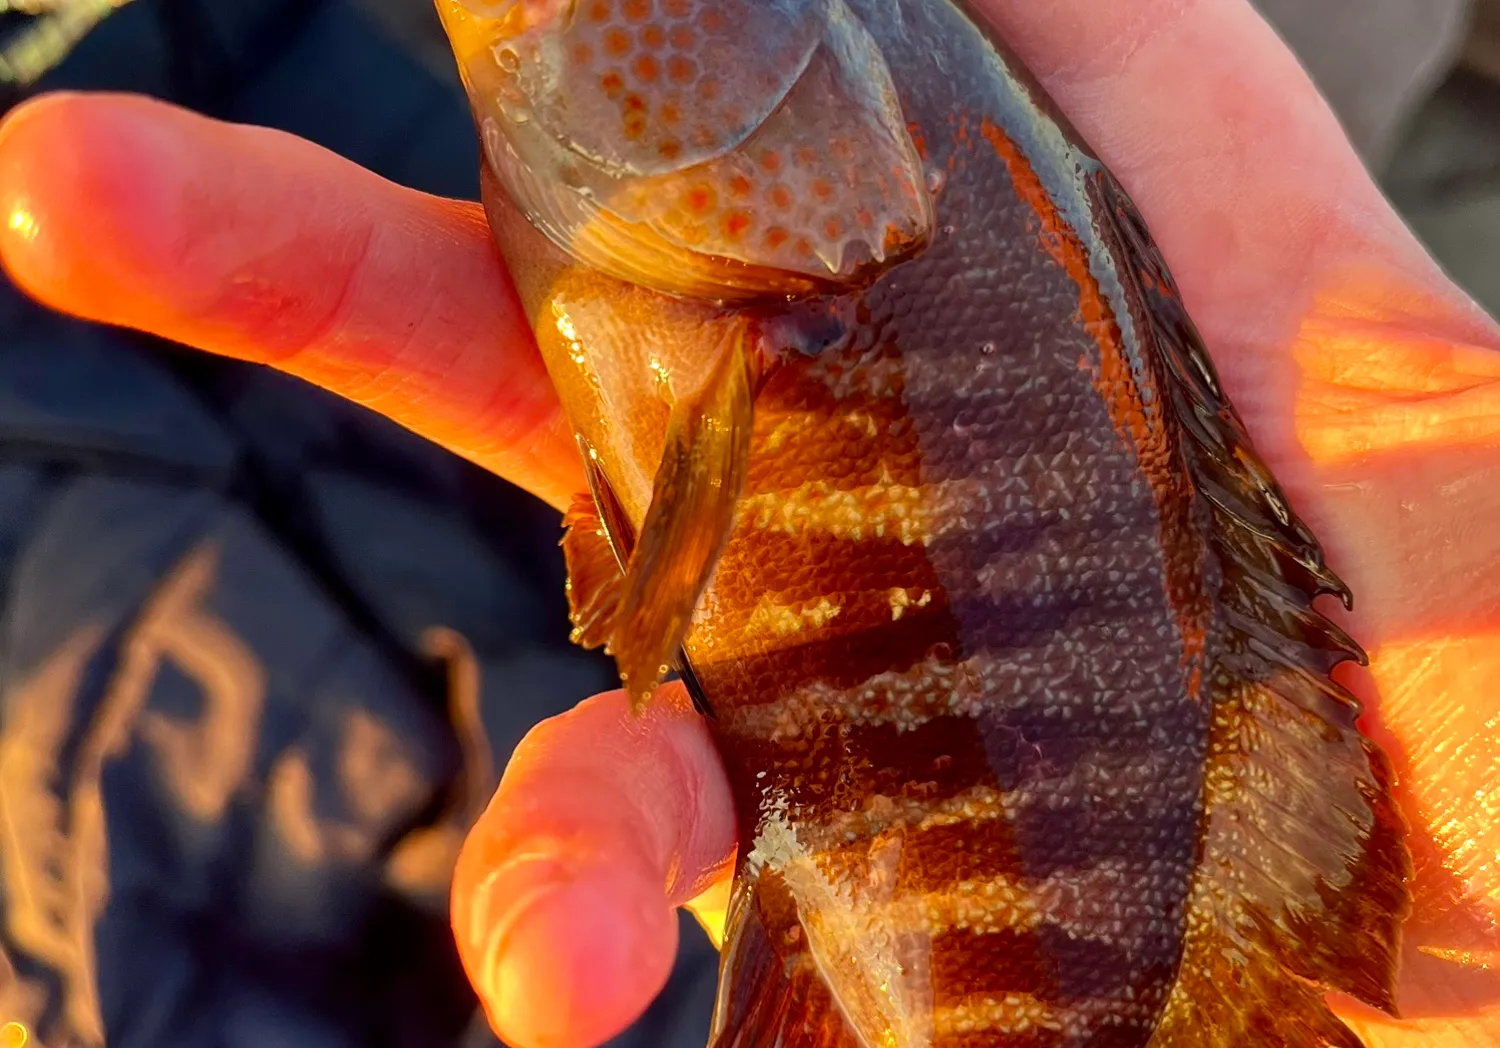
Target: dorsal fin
(1302, 886)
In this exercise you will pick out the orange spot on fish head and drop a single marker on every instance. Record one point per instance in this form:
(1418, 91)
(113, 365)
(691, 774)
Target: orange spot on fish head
(681, 70)
(736, 224)
(917, 140)
(647, 69)
(617, 42)
(700, 198)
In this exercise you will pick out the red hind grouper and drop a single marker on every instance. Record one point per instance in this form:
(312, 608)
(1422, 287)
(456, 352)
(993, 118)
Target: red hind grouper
(905, 453)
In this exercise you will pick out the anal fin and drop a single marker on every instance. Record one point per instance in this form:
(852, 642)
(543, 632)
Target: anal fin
(770, 992)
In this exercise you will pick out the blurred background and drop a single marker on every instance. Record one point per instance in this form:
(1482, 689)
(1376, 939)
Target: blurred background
(263, 654)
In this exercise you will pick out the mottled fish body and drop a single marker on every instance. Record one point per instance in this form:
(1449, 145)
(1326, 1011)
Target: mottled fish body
(904, 450)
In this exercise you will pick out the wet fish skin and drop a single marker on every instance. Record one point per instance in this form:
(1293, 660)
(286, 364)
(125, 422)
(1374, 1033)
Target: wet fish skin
(1010, 646)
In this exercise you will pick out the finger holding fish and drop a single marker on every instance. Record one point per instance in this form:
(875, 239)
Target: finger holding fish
(563, 897)
(254, 244)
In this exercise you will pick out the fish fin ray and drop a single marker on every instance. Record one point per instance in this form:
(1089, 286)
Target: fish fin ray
(1283, 934)
(612, 516)
(687, 525)
(770, 993)
(694, 686)
(595, 581)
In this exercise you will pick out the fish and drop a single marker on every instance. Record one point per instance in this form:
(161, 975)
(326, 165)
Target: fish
(904, 454)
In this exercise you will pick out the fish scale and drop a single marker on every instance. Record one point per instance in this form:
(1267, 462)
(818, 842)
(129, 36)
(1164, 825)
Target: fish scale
(1005, 633)
(992, 619)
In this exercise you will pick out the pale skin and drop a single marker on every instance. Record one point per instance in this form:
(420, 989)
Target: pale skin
(1370, 382)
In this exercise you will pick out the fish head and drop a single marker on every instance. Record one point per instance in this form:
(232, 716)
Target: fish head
(662, 176)
(717, 150)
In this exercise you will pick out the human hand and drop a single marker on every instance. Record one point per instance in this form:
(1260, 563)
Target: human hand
(1369, 382)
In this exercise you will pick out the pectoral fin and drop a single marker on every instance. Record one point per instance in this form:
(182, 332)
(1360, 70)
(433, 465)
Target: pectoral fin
(641, 615)
(692, 510)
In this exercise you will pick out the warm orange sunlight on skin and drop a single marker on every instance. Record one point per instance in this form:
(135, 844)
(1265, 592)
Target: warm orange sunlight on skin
(23, 223)
(1367, 388)
(1387, 411)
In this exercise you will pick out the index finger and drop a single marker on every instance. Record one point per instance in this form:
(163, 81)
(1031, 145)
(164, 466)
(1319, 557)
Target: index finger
(254, 244)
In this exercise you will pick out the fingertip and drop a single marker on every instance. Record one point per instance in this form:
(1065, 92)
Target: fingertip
(45, 175)
(103, 197)
(564, 897)
(132, 211)
(568, 958)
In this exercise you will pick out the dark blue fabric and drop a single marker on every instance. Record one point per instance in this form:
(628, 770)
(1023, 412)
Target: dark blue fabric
(230, 748)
